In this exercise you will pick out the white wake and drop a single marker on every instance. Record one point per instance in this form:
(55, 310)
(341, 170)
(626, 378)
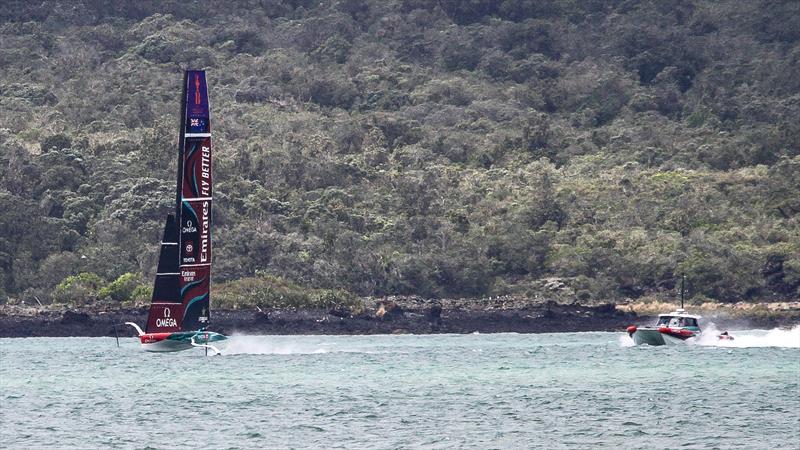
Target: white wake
(777, 337)
(295, 345)
(260, 345)
(626, 341)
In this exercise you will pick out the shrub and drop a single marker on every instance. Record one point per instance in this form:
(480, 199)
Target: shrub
(122, 288)
(267, 291)
(56, 141)
(333, 92)
(78, 289)
(141, 294)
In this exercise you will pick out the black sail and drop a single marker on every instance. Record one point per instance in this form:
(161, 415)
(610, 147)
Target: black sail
(166, 301)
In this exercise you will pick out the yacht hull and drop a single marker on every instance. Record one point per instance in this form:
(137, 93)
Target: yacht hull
(661, 336)
(182, 340)
(649, 336)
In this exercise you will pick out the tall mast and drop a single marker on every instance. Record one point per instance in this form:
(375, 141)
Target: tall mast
(181, 148)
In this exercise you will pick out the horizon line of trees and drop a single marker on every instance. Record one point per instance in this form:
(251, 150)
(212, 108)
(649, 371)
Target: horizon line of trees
(440, 149)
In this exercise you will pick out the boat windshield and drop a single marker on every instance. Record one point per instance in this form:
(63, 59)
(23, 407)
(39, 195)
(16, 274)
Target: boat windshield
(677, 321)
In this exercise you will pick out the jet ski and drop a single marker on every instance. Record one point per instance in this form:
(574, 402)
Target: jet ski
(725, 336)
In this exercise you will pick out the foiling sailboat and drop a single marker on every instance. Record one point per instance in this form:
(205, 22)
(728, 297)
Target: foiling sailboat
(179, 312)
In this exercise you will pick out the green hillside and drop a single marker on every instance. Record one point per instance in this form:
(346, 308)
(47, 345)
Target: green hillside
(443, 149)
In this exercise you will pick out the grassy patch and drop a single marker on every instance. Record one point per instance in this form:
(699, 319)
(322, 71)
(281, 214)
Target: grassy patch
(266, 291)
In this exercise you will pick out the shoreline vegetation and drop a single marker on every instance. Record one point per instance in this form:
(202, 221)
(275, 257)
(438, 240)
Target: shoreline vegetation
(553, 150)
(397, 315)
(780, 309)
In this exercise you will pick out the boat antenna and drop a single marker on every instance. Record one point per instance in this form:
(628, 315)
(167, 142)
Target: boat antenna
(683, 281)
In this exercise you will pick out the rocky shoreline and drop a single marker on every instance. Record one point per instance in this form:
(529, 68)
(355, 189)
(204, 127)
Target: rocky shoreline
(386, 317)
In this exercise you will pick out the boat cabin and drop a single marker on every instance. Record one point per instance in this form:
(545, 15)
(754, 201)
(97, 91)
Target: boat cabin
(679, 319)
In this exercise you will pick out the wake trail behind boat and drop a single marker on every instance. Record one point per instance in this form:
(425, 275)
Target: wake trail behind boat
(257, 345)
(777, 337)
(291, 345)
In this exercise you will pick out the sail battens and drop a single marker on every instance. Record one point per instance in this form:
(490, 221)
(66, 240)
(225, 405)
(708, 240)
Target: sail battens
(191, 135)
(169, 243)
(197, 199)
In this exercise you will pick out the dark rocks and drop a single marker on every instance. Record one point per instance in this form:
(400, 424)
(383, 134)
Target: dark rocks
(74, 317)
(389, 310)
(415, 316)
(606, 309)
(435, 315)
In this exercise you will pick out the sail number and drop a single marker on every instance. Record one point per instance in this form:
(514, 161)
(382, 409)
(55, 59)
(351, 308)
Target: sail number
(167, 320)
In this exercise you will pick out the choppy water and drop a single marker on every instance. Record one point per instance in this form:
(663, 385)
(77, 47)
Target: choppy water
(574, 390)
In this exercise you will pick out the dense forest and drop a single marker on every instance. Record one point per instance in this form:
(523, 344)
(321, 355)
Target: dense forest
(443, 148)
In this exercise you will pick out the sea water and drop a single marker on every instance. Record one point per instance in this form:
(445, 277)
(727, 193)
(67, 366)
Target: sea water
(569, 390)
